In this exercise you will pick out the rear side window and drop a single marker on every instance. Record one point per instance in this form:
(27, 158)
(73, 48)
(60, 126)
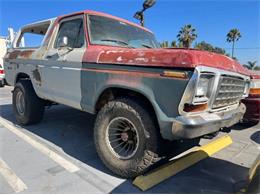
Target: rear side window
(33, 35)
(31, 40)
(74, 31)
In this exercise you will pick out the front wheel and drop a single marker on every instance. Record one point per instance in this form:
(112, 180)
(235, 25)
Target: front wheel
(27, 106)
(126, 138)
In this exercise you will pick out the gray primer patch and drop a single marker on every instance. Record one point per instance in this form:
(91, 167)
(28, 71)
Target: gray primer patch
(37, 76)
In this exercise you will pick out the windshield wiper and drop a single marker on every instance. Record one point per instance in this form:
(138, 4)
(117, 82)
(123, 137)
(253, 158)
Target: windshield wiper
(118, 41)
(147, 46)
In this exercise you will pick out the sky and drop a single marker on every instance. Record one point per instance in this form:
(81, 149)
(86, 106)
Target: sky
(211, 18)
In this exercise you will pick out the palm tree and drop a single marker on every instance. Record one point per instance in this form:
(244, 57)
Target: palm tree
(251, 65)
(233, 36)
(174, 44)
(187, 35)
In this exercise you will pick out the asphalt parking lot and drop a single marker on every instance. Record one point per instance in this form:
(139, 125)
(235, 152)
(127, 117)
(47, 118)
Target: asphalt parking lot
(58, 156)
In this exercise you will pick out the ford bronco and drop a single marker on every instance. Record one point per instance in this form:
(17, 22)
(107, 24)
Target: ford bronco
(142, 94)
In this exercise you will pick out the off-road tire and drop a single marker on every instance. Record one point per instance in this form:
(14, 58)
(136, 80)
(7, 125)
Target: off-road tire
(149, 139)
(34, 106)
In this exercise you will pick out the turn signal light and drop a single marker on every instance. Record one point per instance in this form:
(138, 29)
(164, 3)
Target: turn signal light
(175, 74)
(254, 91)
(195, 108)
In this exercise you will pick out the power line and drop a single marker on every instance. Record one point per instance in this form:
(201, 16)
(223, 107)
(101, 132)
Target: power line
(249, 48)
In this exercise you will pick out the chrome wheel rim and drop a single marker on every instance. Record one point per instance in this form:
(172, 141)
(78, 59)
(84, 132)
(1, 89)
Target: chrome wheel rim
(20, 102)
(122, 138)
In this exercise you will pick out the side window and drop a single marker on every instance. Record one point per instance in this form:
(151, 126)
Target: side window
(33, 35)
(74, 31)
(31, 40)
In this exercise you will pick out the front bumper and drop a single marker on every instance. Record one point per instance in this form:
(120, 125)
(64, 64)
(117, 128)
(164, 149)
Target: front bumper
(188, 127)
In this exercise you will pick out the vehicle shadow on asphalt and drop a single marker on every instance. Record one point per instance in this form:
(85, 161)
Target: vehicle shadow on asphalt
(72, 131)
(243, 126)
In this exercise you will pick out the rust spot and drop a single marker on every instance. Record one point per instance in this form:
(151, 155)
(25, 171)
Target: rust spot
(13, 55)
(37, 76)
(195, 108)
(20, 54)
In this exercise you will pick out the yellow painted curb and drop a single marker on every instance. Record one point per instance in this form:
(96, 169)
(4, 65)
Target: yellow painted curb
(145, 182)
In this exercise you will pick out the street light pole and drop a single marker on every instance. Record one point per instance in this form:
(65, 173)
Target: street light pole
(140, 14)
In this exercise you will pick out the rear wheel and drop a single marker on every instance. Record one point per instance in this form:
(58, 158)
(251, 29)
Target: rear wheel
(126, 138)
(27, 106)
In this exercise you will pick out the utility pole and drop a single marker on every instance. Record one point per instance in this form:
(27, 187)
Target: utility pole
(139, 15)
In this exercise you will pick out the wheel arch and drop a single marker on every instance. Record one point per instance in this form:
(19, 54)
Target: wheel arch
(116, 91)
(21, 75)
(25, 76)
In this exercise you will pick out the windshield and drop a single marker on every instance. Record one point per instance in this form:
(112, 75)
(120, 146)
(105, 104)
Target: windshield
(106, 31)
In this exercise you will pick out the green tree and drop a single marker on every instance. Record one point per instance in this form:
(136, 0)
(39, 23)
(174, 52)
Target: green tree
(220, 50)
(251, 65)
(180, 45)
(204, 46)
(165, 44)
(208, 47)
(233, 36)
(187, 35)
(257, 68)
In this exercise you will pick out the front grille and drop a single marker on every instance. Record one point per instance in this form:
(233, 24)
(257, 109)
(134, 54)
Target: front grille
(230, 91)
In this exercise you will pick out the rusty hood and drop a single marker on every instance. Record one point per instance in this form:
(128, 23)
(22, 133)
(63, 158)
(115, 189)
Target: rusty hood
(178, 58)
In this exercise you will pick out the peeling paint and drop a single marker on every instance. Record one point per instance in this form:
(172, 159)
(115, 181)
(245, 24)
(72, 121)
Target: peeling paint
(177, 58)
(119, 59)
(26, 54)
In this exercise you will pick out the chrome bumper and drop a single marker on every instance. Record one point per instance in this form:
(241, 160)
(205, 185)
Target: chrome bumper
(188, 127)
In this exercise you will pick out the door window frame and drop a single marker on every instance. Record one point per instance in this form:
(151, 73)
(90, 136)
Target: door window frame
(57, 28)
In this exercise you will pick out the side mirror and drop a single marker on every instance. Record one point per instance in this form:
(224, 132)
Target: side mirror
(63, 42)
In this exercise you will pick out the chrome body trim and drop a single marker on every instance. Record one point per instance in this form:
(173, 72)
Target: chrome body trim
(189, 127)
(189, 94)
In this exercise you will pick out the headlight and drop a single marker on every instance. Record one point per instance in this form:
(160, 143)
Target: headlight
(203, 89)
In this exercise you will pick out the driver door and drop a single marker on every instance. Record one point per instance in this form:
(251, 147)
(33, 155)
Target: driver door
(64, 62)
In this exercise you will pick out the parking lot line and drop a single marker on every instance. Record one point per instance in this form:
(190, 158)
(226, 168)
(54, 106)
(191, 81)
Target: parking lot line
(145, 182)
(12, 179)
(42, 148)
